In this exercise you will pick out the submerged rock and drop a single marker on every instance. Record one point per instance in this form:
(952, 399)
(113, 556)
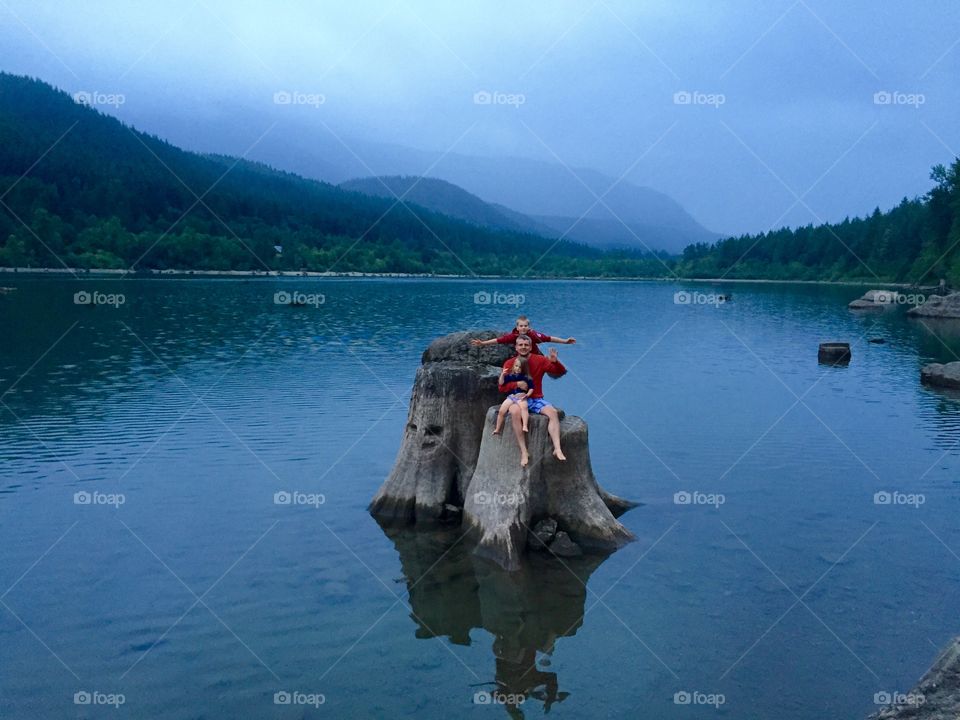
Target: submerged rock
(941, 375)
(563, 546)
(542, 534)
(938, 306)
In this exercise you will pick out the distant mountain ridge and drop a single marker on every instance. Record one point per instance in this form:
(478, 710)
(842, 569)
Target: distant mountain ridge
(86, 191)
(599, 229)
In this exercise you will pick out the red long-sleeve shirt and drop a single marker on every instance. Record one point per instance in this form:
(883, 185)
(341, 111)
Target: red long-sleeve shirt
(535, 337)
(537, 366)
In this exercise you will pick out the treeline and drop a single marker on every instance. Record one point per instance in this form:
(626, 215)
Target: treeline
(82, 189)
(918, 241)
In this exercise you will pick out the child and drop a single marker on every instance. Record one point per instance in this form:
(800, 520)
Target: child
(523, 390)
(523, 328)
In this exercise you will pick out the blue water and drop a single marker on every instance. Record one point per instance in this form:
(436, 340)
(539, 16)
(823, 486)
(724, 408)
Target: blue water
(199, 597)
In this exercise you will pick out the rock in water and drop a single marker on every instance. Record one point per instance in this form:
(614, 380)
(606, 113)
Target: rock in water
(454, 386)
(940, 375)
(563, 546)
(542, 535)
(876, 300)
(938, 306)
(503, 497)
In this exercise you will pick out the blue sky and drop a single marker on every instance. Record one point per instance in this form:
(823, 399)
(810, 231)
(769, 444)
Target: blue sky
(751, 114)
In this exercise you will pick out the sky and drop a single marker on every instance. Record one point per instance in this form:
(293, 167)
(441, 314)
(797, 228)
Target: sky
(752, 115)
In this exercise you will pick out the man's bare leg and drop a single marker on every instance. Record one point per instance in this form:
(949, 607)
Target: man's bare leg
(553, 428)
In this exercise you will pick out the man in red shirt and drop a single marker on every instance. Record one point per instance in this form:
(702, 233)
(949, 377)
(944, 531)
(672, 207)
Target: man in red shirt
(537, 366)
(523, 328)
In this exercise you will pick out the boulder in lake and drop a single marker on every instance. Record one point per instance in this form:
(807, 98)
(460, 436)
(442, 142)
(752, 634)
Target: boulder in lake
(938, 306)
(876, 300)
(941, 375)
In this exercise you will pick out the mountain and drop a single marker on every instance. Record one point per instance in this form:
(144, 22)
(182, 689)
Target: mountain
(446, 198)
(598, 229)
(85, 190)
(530, 187)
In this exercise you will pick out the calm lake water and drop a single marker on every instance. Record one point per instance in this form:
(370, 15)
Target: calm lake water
(195, 401)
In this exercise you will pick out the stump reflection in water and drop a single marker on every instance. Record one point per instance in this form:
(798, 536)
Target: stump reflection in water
(451, 591)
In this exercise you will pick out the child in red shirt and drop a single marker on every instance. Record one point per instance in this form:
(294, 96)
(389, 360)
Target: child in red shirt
(523, 328)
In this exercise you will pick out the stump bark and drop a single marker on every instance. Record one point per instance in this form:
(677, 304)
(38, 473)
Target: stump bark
(453, 388)
(504, 500)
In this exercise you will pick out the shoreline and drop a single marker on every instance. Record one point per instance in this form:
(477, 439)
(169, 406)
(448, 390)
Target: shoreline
(81, 273)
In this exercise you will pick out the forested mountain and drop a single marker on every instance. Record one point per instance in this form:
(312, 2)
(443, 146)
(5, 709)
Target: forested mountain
(917, 241)
(80, 188)
(448, 199)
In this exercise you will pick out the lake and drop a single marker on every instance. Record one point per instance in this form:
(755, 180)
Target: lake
(146, 433)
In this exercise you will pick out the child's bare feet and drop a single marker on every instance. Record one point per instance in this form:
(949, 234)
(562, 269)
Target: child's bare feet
(558, 454)
(496, 431)
(524, 459)
(526, 429)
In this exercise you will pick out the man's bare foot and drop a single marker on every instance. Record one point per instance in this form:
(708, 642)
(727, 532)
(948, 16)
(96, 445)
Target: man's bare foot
(524, 460)
(558, 454)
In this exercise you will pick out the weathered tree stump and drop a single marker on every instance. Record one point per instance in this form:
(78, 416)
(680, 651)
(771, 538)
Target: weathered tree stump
(454, 386)
(450, 459)
(504, 500)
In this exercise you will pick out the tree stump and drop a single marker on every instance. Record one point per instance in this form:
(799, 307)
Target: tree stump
(504, 500)
(449, 459)
(454, 386)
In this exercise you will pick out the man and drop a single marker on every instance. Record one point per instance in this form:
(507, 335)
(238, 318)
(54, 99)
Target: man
(537, 366)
